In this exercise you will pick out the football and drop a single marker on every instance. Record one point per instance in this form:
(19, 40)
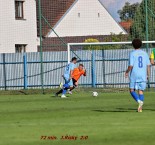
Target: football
(95, 94)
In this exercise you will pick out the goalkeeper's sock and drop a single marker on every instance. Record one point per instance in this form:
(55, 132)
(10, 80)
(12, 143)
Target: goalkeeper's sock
(135, 96)
(72, 88)
(141, 97)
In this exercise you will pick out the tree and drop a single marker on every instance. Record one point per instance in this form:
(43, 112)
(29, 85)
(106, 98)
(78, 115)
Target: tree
(111, 38)
(128, 11)
(91, 40)
(138, 30)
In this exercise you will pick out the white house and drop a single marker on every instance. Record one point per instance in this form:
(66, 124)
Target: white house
(18, 26)
(86, 18)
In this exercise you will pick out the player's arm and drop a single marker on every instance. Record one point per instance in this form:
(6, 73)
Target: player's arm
(152, 58)
(148, 68)
(85, 73)
(128, 70)
(148, 71)
(131, 62)
(152, 61)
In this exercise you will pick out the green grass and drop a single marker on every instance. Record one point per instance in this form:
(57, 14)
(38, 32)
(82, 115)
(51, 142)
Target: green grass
(109, 119)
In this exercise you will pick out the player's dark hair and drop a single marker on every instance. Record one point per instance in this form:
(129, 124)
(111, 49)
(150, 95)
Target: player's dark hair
(137, 43)
(74, 59)
(81, 65)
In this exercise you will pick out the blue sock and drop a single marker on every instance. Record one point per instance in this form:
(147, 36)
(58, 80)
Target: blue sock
(64, 91)
(66, 87)
(135, 96)
(141, 97)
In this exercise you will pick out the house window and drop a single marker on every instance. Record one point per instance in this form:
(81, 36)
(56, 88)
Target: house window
(98, 15)
(19, 10)
(20, 48)
(79, 15)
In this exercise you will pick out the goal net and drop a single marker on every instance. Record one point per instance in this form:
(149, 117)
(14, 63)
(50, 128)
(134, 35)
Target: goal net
(106, 62)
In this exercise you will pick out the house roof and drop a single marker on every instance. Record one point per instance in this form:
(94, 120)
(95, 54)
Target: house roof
(126, 24)
(52, 10)
(54, 43)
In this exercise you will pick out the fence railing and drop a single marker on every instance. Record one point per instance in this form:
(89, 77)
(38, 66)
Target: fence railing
(105, 68)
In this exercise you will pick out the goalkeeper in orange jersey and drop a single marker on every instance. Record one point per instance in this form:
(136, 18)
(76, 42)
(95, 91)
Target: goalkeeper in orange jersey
(77, 73)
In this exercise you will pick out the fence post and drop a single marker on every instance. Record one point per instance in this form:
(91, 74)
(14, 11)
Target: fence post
(146, 23)
(103, 59)
(93, 70)
(25, 71)
(4, 71)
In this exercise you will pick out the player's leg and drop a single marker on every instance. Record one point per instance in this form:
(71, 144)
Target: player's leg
(61, 84)
(71, 86)
(134, 95)
(133, 92)
(64, 88)
(59, 92)
(66, 81)
(70, 90)
(64, 91)
(137, 99)
(142, 87)
(75, 84)
(141, 97)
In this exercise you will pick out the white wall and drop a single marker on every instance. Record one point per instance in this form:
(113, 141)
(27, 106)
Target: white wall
(14, 31)
(89, 23)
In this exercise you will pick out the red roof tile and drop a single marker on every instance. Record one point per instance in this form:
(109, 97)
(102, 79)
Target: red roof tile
(53, 10)
(54, 43)
(126, 25)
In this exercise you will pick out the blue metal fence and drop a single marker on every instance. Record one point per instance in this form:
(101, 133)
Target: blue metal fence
(105, 68)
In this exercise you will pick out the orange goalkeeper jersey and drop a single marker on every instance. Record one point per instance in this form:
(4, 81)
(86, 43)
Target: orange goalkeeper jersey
(77, 74)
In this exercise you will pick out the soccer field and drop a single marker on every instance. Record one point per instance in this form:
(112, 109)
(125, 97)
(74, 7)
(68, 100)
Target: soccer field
(109, 119)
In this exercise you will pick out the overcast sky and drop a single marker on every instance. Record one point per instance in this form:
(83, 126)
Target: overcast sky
(114, 5)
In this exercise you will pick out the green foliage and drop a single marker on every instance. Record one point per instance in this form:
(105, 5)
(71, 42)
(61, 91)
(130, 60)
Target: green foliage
(114, 38)
(138, 30)
(91, 40)
(111, 38)
(137, 14)
(128, 11)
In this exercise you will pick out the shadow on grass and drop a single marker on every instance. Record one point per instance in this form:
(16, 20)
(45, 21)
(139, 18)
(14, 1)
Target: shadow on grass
(123, 110)
(135, 109)
(112, 110)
